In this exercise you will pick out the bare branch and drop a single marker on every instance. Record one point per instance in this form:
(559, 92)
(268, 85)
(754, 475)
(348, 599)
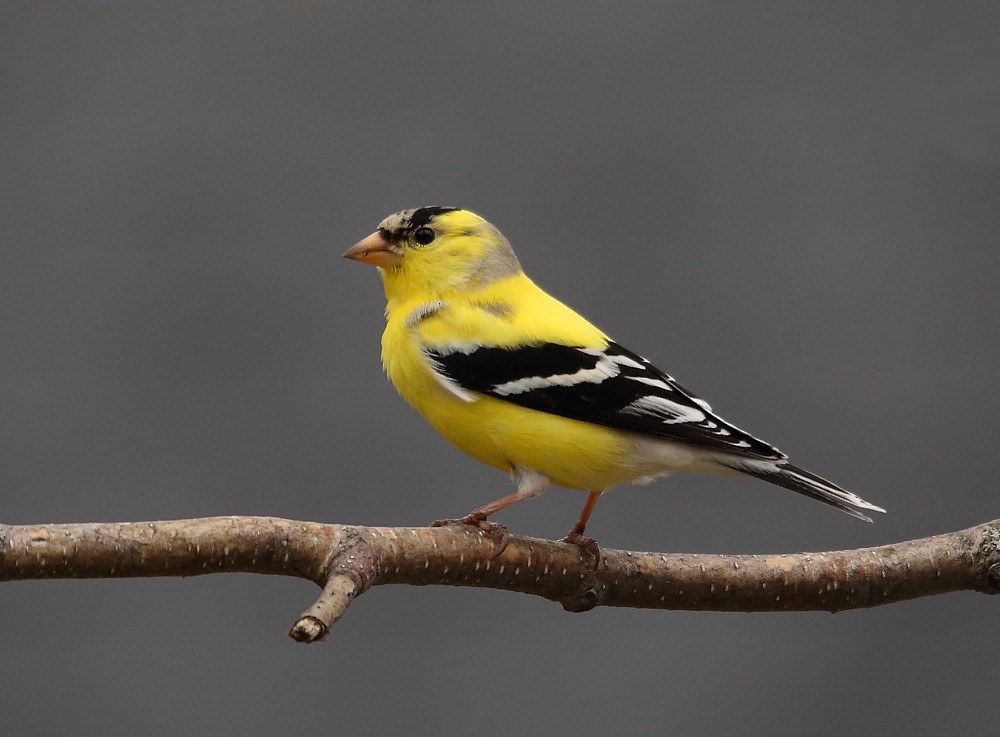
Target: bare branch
(346, 560)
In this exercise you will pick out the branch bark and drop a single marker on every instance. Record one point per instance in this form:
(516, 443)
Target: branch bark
(347, 560)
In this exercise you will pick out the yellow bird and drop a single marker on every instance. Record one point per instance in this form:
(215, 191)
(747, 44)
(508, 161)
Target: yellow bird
(521, 382)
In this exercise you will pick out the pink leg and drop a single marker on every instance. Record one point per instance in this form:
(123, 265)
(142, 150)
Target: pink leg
(530, 485)
(576, 536)
(588, 507)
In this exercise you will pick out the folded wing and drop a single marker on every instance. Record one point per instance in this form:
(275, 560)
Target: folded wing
(610, 386)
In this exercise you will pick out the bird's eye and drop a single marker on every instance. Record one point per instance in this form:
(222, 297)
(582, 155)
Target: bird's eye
(424, 236)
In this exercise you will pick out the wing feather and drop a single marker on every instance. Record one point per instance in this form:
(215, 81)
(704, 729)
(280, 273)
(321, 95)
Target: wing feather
(612, 387)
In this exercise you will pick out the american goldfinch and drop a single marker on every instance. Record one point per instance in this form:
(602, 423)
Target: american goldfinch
(521, 382)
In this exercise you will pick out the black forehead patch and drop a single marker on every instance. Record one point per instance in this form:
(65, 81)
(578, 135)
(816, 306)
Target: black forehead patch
(424, 215)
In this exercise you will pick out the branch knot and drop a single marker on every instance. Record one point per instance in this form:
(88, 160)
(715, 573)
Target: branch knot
(988, 560)
(349, 571)
(583, 597)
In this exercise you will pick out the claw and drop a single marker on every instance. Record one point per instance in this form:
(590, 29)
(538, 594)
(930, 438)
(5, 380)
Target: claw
(586, 544)
(493, 530)
(497, 533)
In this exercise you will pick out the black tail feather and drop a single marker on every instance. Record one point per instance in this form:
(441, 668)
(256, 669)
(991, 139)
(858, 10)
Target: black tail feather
(813, 486)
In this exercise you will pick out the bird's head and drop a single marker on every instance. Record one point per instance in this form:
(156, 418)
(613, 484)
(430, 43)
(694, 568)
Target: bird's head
(436, 250)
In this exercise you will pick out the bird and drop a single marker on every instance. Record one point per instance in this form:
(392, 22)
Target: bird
(521, 382)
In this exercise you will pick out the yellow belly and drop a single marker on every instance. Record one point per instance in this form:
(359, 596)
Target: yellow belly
(573, 454)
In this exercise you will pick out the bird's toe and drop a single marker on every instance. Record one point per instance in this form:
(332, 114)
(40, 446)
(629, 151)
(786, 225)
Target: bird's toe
(493, 530)
(587, 544)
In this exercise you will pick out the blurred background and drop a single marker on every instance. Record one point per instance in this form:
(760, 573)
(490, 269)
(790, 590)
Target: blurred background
(792, 207)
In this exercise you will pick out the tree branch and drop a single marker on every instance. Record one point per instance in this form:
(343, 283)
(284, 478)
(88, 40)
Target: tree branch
(346, 560)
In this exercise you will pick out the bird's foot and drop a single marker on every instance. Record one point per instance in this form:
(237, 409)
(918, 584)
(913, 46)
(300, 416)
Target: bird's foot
(587, 544)
(493, 530)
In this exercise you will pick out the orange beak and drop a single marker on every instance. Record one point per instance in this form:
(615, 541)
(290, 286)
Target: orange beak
(374, 250)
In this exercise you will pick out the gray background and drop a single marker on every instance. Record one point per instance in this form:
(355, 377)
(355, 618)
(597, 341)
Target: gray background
(792, 207)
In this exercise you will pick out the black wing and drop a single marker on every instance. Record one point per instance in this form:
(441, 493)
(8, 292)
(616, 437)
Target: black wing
(612, 387)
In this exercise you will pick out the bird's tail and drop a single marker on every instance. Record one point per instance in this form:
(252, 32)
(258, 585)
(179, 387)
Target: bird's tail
(816, 487)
